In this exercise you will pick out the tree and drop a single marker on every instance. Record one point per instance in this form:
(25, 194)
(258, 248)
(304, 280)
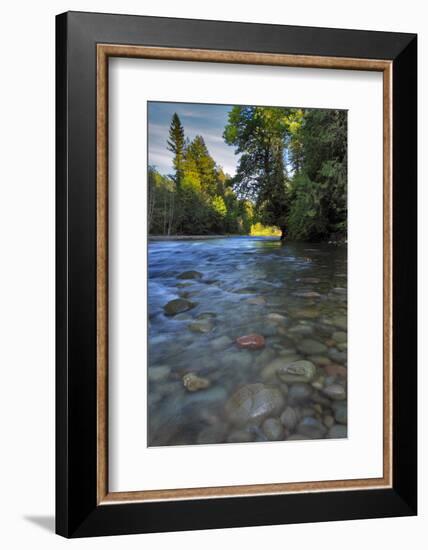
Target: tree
(260, 134)
(176, 145)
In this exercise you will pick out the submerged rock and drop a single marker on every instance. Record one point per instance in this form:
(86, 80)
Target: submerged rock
(254, 403)
(299, 392)
(240, 436)
(179, 305)
(251, 341)
(311, 347)
(311, 428)
(256, 301)
(201, 326)
(156, 374)
(335, 391)
(192, 382)
(220, 343)
(296, 371)
(338, 431)
(341, 412)
(273, 429)
(307, 294)
(190, 275)
(290, 418)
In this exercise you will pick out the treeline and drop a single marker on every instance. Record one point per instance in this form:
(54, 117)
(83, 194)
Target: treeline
(291, 175)
(293, 167)
(199, 197)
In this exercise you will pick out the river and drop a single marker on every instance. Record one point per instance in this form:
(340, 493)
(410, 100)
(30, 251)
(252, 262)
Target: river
(206, 386)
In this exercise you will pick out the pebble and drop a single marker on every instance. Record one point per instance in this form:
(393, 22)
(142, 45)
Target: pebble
(338, 431)
(337, 356)
(289, 418)
(341, 412)
(179, 305)
(319, 360)
(202, 327)
(309, 280)
(299, 392)
(220, 343)
(276, 318)
(297, 437)
(328, 421)
(311, 428)
(273, 429)
(190, 275)
(340, 336)
(192, 382)
(254, 403)
(156, 374)
(212, 434)
(336, 370)
(297, 371)
(335, 391)
(206, 315)
(251, 341)
(308, 294)
(256, 301)
(301, 330)
(306, 313)
(340, 322)
(311, 347)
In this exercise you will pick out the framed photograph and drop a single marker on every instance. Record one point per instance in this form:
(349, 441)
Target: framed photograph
(236, 274)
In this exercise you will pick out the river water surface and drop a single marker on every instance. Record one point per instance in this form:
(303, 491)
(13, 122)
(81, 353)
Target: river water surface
(291, 297)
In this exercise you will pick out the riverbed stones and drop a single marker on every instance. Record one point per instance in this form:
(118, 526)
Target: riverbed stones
(311, 347)
(212, 434)
(338, 431)
(256, 301)
(276, 318)
(202, 327)
(156, 374)
(299, 392)
(179, 305)
(273, 429)
(251, 341)
(340, 322)
(192, 382)
(253, 403)
(339, 336)
(311, 428)
(240, 436)
(306, 313)
(309, 280)
(336, 370)
(335, 391)
(307, 294)
(289, 418)
(337, 356)
(190, 275)
(221, 343)
(206, 315)
(340, 410)
(319, 360)
(296, 371)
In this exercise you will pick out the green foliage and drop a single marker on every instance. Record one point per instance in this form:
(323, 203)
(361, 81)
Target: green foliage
(260, 230)
(291, 178)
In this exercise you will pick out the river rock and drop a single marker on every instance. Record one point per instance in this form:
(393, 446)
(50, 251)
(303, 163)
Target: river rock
(179, 305)
(319, 360)
(311, 347)
(276, 318)
(156, 374)
(312, 428)
(337, 356)
(290, 418)
(273, 429)
(253, 403)
(335, 391)
(340, 410)
(301, 330)
(328, 421)
(190, 275)
(306, 313)
(201, 327)
(299, 392)
(212, 434)
(340, 321)
(256, 301)
(336, 370)
(220, 343)
(340, 337)
(192, 382)
(296, 371)
(307, 294)
(340, 291)
(309, 280)
(297, 437)
(206, 315)
(338, 431)
(251, 341)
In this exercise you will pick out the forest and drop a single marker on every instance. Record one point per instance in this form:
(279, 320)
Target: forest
(290, 181)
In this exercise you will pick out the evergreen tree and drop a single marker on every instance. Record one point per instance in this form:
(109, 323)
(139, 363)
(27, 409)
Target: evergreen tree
(176, 145)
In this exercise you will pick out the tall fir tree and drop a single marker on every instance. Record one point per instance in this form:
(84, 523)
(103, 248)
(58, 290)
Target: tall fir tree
(176, 144)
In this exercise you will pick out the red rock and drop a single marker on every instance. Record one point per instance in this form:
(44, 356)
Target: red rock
(336, 370)
(251, 341)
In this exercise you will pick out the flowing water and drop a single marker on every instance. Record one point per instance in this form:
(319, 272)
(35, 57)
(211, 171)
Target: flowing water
(294, 295)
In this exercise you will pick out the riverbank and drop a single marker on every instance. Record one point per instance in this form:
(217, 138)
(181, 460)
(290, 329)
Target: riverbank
(190, 237)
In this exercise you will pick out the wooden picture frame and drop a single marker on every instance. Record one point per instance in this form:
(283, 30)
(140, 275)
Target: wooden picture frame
(85, 42)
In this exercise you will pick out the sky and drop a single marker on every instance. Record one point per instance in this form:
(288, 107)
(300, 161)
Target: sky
(197, 119)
